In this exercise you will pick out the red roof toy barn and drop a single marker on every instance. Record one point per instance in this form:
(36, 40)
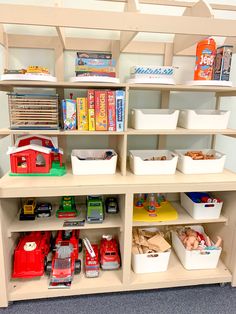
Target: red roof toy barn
(35, 155)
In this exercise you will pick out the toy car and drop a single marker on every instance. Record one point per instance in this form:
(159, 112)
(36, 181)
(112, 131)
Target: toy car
(65, 262)
(95, 209)
(67, 208)
(91, 264)
(28, 210)
(109, 253)
(44, 210)
(30, 256)
(112, 205)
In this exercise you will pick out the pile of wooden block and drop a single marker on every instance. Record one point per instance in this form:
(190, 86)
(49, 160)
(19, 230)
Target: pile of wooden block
(146, 241)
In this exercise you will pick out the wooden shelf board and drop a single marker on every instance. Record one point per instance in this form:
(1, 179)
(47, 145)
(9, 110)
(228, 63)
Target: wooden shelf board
(184, 218)
(53, 223)
(110, 281)
(107, 281)
(178, 131)
(177, 275)
(62, 84)
(104, 184)
(71, 85)
(181, 131)
(6, 131)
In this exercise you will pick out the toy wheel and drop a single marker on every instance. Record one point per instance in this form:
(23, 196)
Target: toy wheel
(49, 268)
(45, 263)
(80, 245)
(77, 266)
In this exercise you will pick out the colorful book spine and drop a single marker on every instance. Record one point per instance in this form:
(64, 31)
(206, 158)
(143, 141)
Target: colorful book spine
(86, 73)
(82, 114)
(91, 110)
(98, 68)
(111, 110)
(120, 110)
(95, 62)
(69, 114)
(100, 110)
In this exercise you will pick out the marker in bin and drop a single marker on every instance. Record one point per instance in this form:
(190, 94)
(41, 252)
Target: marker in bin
(108, 155)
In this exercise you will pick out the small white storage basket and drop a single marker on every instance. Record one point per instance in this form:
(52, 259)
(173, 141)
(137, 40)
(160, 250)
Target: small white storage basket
(195, 259)
(189, 166)
(151, 262)
(204, 119)
(201, 210)
(139, 166)
(90, 167)
(154, 119)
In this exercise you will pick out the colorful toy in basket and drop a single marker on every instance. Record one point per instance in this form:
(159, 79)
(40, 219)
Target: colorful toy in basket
(67, 208)
(36, 155)
(194, 240)
(30, 254)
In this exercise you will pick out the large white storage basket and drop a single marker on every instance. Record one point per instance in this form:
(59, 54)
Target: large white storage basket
(139, 166)
(154, 119)
(151, 262)
(90, 167)
(195, 259)
(189, 166)
(201, 210)
(204, 119)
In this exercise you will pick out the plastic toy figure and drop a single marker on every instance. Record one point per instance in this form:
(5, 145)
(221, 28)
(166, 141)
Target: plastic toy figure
(67, 208)
(139, 200)
(65, 262)
(28, 210)
(109, 253)
(30, 256)
(151, 203)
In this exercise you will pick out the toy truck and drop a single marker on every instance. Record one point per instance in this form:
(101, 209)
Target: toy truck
(65, 262)
(95, 209)
(109, 253)
(67, 208)
(91, 260)
(28, 210)
(30, 256)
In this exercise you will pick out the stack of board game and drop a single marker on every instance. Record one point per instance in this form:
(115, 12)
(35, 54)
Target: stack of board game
(94, 64)
(101, 110)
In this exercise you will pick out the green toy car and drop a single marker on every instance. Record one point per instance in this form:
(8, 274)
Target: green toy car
(95, 209)
(67, 208)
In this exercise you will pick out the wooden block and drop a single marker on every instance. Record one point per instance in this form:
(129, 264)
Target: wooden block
(159, 242)
(148, 234)
(135, 249)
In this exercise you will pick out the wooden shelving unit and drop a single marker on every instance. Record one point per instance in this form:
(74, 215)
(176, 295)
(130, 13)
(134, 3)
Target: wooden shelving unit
(194, 25)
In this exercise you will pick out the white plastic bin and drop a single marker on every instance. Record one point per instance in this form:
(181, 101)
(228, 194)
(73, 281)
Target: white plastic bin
(189, 166)
(139, 166)
(154, 119)
(204, 119)
(195, 259)
(90, 167)
(150, 262)
(201, 210)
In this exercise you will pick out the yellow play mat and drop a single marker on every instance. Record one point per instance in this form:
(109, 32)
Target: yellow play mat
(163, 213)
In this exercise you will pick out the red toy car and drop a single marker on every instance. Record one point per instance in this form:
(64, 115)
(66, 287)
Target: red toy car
(109, 253)
(91, 264)
(65, 262)
(30, 256)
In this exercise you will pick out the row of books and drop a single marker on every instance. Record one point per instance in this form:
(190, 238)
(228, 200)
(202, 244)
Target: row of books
(101, 110)
(94, 64)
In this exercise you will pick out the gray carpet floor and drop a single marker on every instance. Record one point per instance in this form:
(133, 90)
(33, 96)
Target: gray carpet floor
(206, 299)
